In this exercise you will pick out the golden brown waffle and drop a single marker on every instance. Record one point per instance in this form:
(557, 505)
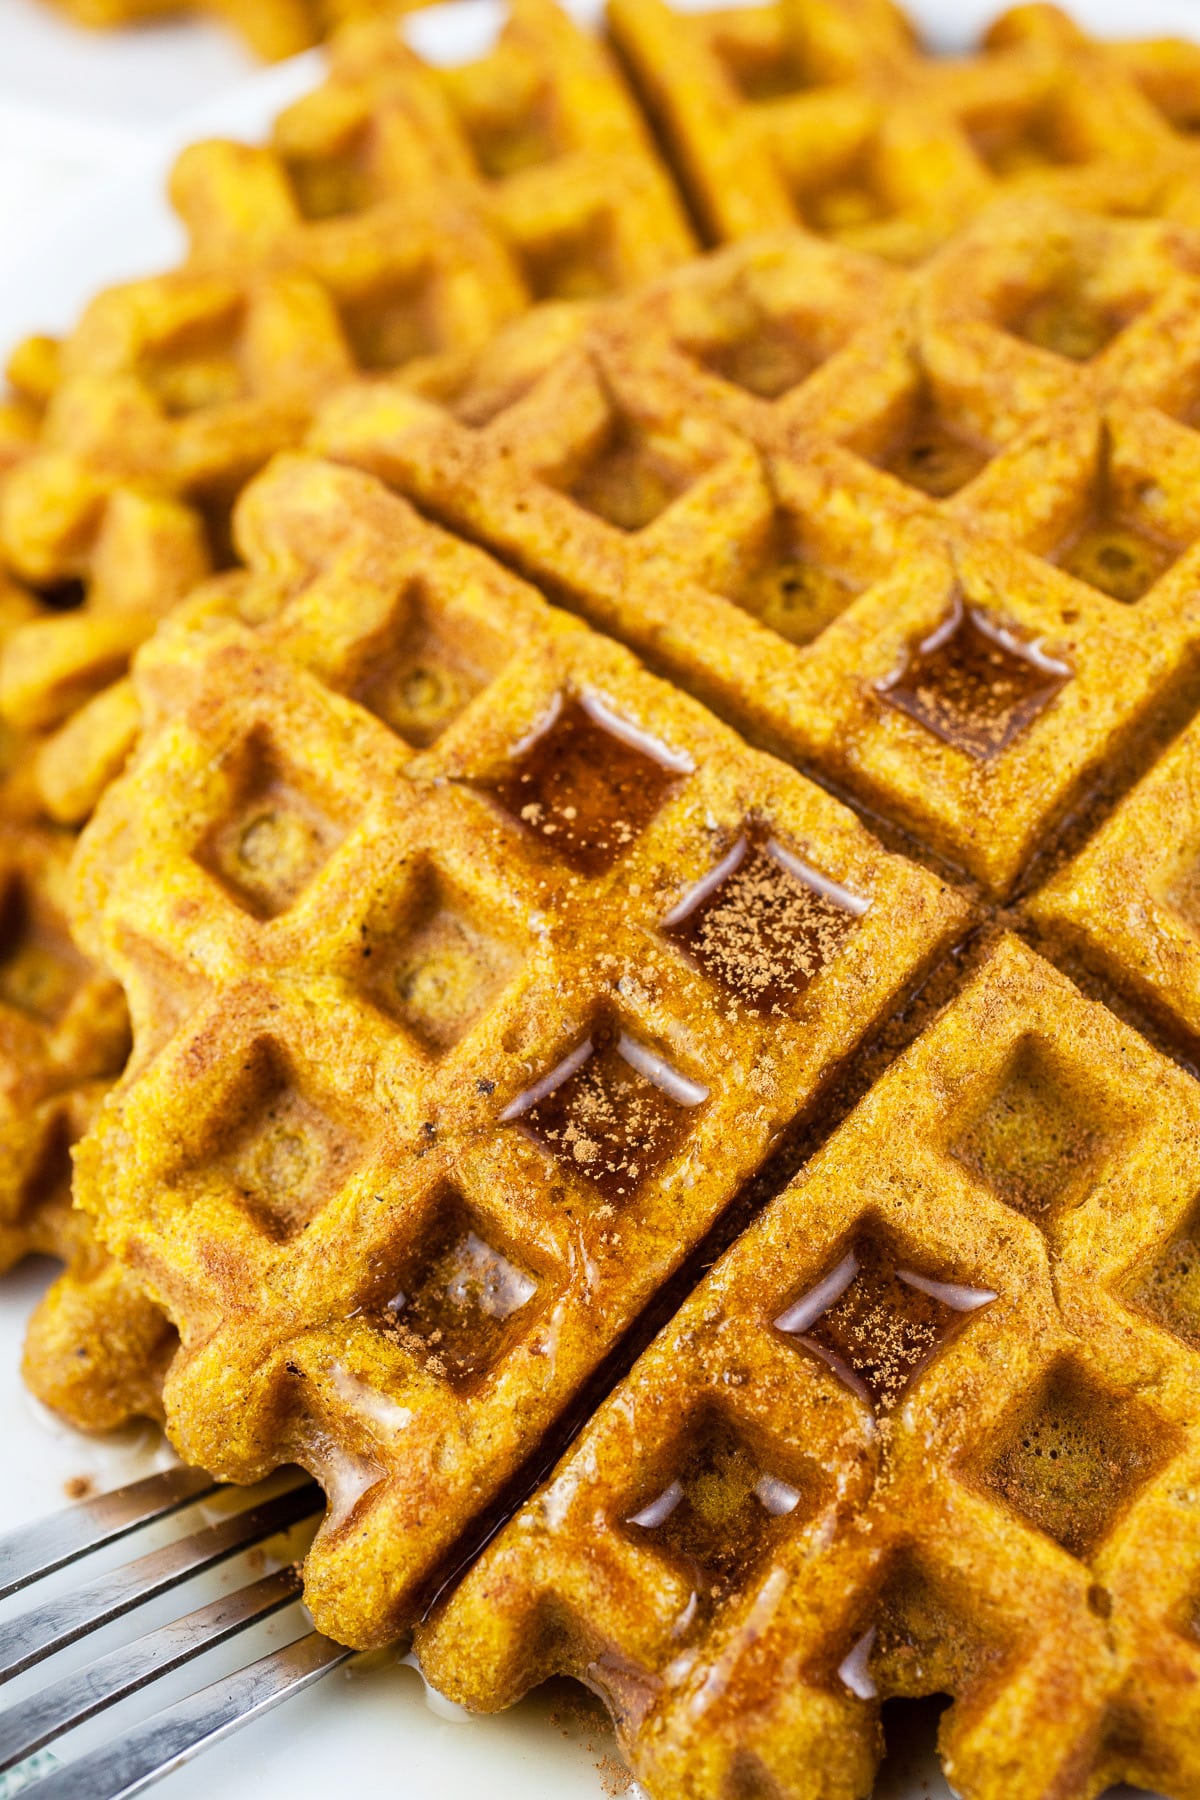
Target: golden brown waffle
(453, 965)
(273, 29)
(930, 1427)
(174, 390)
(539, 140)
(828, 114)
(64, 1035)
(909, 549)
(401, 216)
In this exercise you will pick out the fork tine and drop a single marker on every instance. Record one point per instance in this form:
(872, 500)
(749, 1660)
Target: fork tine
(38, 1549)
(32, 1722)
(130, 1764)
(42, 1630)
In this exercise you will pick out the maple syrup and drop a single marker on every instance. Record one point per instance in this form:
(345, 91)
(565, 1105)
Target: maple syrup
(613, 1112)
(763, 924)
(589, 784)
(876, 1323)
(460, 1300)
(720, 1514)
(974, 683)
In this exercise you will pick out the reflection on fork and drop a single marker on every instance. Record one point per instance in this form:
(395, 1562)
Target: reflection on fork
(125, 1765)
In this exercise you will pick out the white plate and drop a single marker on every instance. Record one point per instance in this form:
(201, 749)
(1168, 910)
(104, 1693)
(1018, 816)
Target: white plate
(364, 1728)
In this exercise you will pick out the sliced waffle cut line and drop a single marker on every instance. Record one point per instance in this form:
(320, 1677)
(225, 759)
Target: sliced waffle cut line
(937, 1341)
(1127, 902)
(441, 1249)
(913, 570)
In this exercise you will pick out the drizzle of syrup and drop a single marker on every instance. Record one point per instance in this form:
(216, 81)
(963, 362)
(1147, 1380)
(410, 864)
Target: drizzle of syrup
(763, 924)
(589, 784)
(877, 1324)
(974, 683)
(720, 1514)
(613, 1111)
(458, 1306)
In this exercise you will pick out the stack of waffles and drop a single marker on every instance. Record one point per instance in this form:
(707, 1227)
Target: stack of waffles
(629, 993)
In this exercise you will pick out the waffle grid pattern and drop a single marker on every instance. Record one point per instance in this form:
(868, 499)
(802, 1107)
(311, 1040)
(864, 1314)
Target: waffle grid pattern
(983, 1485)
(838, 569)
(420, 891)
(437, 983)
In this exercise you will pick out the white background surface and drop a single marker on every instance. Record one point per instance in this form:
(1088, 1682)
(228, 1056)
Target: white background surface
(88, 126)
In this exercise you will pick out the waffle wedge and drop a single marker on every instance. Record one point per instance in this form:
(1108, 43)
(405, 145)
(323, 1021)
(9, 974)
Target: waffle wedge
(454, 924)
(907, 548)
(929, 1427)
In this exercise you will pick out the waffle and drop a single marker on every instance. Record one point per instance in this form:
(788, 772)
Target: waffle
(538, 139)
(828, 114)
(930, 1427)
(1127, 903)
(400, 218)
(63, 1037)
(905, 546)
(272, 29)
(416, 912)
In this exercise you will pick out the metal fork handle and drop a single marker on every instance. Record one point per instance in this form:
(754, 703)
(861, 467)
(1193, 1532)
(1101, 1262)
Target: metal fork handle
(30, 1723)
(38, 1549)
(38, 1633)
(130, 1764)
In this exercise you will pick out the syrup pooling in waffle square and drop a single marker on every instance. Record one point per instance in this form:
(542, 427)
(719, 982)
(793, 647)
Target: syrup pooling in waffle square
(536, 148)
(832, 117)
(478, 1040)
(918, 1432)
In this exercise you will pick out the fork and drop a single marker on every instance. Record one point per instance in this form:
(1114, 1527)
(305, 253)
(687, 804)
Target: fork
(127, 1764)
